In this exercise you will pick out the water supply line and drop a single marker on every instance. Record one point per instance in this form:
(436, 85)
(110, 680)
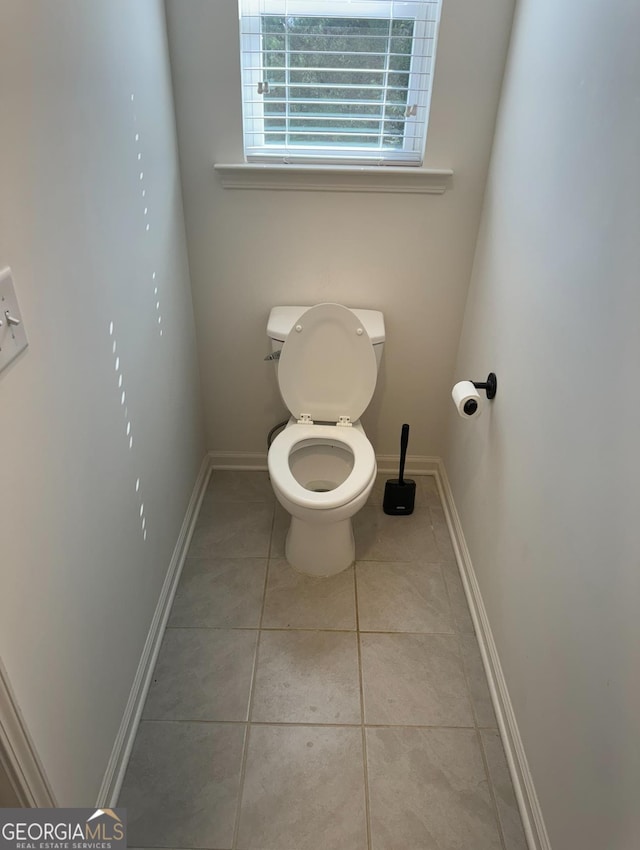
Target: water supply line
(270, 435)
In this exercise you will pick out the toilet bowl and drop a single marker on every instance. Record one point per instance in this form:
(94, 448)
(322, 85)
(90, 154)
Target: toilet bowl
(322, 466)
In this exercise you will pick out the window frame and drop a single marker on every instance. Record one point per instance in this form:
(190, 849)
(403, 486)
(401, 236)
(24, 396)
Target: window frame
(422, 66)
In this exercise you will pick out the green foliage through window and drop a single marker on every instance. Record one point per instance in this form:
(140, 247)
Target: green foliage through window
(336, 81)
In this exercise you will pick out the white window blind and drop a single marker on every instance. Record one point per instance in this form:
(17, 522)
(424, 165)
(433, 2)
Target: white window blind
(337, 80)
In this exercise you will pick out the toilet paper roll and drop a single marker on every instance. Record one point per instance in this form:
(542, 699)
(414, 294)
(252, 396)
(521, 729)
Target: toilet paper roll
(466, 399)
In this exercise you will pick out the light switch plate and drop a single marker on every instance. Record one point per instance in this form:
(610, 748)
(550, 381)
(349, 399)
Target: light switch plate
(13, 338)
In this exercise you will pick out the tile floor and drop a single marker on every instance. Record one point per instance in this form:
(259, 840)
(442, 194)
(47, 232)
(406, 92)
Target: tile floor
(290, 713)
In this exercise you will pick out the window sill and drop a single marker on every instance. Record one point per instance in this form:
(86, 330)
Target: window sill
(334, 178)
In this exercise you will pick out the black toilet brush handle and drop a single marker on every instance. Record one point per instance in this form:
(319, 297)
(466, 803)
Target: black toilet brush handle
(404, 442)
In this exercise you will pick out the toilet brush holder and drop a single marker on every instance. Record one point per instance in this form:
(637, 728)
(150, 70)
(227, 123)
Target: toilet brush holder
(400, 493)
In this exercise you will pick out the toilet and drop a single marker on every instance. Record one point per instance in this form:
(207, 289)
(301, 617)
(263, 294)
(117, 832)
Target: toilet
(322, 466)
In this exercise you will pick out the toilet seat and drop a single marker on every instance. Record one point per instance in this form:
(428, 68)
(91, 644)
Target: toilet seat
(364, 464)
(327, 370)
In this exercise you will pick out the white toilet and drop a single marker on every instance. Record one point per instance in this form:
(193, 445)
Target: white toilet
(322, 466)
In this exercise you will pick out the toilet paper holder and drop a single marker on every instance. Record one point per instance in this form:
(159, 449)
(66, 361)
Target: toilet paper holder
(490, 385)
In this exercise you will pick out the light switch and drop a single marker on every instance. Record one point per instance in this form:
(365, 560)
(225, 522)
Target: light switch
(13, 337)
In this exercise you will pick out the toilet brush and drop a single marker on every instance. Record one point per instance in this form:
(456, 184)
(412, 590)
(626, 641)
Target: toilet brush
(400, 493)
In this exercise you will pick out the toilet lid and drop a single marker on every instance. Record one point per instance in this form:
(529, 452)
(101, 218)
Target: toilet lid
(327, 367)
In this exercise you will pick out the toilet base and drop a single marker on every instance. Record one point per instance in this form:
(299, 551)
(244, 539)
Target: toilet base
(320, 550)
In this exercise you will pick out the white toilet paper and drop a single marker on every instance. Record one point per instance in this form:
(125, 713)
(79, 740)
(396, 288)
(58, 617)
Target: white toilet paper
(463, 392)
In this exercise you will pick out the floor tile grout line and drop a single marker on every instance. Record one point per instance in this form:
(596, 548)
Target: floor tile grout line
(247, 735)
(310, 723)
(454, 634)
(227, 557)
(270, 556)
(492, 791)
(476, 728)
(273, 527)
(458, 637)
(474, 713)
(367, 802)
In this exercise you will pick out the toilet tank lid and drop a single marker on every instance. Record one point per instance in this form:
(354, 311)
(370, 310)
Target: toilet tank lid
(282, 320)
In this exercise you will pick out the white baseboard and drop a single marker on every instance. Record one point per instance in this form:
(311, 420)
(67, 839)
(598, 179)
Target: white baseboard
(238, 460)
(528, 803)
(18, 756)
(415, 464)
(114, 774)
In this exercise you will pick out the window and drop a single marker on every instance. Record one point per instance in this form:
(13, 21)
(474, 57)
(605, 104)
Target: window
(337, 81)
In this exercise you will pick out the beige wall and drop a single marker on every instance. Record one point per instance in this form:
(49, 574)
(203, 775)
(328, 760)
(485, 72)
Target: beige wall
(547, 481)
(78, 584)
(407, 255)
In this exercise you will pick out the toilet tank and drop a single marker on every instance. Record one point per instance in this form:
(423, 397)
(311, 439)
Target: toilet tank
(282, 319)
